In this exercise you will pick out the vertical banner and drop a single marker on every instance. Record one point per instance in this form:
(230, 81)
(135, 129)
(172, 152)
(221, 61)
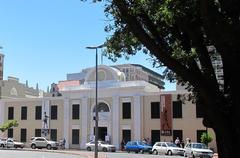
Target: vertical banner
(45, 117)
(166, 114)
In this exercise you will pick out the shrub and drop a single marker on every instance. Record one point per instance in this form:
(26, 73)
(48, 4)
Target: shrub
(206, 138)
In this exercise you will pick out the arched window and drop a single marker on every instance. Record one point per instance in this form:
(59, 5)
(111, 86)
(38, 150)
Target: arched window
(102, 107)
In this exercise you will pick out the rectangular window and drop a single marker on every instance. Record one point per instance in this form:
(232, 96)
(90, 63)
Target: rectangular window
(24, 113)
(75, 136)
(38, 112)
(23, 137)
(10, 113)
(75, 111)
(54, 112)
(38, 133)
(10, 133)
(126, 110)
(155, 110)
(179, 134)
(53, 134)
(126, 135)
(199, 134)
(177, 109)
(155, 136)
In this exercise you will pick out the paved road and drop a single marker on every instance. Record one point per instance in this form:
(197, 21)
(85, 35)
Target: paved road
(42, 153)
(34, 154)
(12, 153)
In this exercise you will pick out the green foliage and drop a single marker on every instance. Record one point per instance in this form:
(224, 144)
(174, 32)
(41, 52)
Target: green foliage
(8, 124)
(160, 20)
(206, 138)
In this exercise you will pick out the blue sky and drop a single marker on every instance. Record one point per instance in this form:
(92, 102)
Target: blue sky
(43, 40)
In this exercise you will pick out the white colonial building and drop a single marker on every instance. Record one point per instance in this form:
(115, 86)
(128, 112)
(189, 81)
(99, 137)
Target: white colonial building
(129, 110)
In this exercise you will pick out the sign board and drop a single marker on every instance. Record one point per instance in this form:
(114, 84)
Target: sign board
(166, 114)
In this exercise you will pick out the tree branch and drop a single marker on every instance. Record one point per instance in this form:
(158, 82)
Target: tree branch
(154, 47)
(157, 50)
(196, 35)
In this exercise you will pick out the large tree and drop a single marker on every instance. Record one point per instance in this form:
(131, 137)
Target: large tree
(188, 37)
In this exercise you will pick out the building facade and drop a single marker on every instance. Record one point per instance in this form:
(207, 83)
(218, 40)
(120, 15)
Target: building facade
(12, 88)
(128, 110)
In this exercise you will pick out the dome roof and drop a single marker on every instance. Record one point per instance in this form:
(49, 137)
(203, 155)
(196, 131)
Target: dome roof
(105, 73)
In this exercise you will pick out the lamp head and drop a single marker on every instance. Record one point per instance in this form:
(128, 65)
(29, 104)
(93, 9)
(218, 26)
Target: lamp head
(96, 47)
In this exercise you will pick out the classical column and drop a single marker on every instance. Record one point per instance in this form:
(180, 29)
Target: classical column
(137, 117)
(115, 122)
(66, 122)
(84, 124)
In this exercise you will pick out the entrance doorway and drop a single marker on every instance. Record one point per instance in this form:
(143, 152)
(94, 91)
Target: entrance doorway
(126, 135)
(155, 136)
(102, 132)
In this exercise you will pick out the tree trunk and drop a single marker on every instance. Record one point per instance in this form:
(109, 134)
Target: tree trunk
(227, 143)
(227, 136)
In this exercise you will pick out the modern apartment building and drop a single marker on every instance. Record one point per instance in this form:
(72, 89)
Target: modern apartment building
(135, 72)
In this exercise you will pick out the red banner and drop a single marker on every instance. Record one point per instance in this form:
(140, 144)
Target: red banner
(166, 114)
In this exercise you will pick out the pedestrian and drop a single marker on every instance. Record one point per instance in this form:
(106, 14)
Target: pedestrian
(177, 142)
(144, 140)
(92, 138)
(122, 145)
(182, 144)
(148, 141)
(64, 142)
(107, 138)
(188, 140)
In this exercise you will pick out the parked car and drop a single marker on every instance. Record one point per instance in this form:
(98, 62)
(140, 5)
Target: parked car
(102, 146)
(10, 143)
(17, 144)
(42, 142)
(167, 148)
(138, 146)
(3, 142)
(197, 150)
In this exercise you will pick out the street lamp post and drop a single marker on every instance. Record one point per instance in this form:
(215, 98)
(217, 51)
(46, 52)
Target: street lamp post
(96, 100)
